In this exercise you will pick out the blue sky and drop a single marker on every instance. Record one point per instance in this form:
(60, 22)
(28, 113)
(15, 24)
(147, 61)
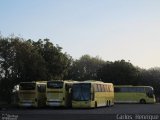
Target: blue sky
(110, 29)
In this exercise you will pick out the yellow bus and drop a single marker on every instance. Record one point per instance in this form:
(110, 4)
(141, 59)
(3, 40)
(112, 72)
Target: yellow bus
(58, 93)
(32, 94)
(92, 94)
(27, 94)
(134, 94)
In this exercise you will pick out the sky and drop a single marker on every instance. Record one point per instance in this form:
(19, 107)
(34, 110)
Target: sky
(110, 29)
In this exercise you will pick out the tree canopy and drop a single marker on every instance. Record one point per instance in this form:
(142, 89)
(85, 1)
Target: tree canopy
(119, 72)
(85, 68)
(27, 60)
(30, 60)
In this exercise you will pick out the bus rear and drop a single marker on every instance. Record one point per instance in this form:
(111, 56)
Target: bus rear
(27, 94)
(55, 93)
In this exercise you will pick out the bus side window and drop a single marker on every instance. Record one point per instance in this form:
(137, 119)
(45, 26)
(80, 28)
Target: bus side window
(109, 88)
(103, 89)
(131, 89)
(99, 88)
(142, 89)
(124, 89)
(95, 88)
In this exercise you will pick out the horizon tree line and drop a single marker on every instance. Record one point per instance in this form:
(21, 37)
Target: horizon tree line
(29, 60)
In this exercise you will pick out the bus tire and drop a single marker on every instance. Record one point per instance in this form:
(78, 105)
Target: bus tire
(142, 101)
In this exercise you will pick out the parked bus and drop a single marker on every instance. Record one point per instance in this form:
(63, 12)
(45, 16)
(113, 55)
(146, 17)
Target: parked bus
(32, 94)
(134, 94)
(27, 94)
(92, 94)
(58, 93)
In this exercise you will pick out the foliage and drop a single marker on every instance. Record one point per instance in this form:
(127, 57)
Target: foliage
(151, 77)
(22, 60)
(119, 72)
(29, 60)
(85, 68)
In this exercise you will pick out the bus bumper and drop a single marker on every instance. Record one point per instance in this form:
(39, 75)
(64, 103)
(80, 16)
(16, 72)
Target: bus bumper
(55, 103)
(27, 104)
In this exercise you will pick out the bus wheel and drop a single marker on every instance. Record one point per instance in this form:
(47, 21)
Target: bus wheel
(142, 101)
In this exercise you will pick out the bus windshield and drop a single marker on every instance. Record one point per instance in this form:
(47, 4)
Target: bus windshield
(27, 86)
(55, 84)
(81, 92)
(150, 92)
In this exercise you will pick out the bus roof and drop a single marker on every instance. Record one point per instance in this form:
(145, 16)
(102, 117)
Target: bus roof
(131, 86)
(93, 81)
(28, 82)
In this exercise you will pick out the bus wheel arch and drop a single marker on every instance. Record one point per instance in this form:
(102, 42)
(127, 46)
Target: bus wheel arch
(142, 101)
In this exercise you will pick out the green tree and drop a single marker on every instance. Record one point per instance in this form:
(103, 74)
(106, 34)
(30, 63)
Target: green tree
(29, 64)
(22, 60)
(57, 63)
(6, 64)
(85, 68)
(151, 77)
(119, 72)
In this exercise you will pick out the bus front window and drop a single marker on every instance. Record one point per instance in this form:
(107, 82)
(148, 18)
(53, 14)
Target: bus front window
(150, 92)
(27, 86)
(55, 85)
(81, 92)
